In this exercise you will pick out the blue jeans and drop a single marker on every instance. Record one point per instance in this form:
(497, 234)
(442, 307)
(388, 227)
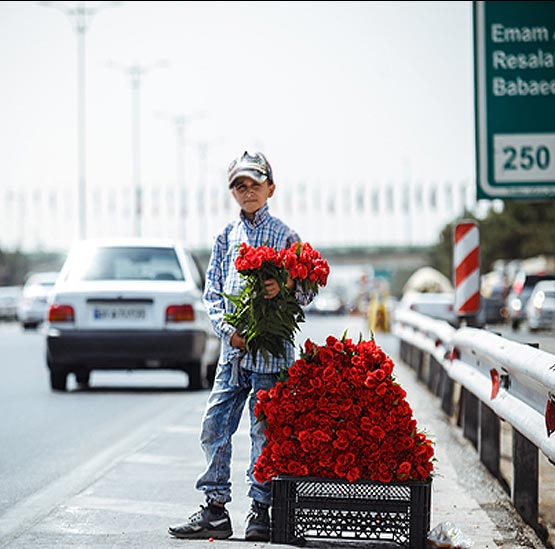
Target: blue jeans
(220, 422)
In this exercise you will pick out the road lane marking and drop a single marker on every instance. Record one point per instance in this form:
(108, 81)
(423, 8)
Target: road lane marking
(31, 510)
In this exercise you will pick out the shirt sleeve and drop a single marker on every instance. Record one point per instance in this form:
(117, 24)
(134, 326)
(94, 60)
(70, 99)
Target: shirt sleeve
(213, 299)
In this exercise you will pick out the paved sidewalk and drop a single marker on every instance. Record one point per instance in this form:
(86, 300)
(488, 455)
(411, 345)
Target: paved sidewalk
(132, 503)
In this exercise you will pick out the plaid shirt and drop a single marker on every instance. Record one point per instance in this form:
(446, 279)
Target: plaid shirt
(222, 277)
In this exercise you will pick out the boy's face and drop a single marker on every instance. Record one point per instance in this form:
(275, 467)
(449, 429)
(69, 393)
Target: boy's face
(251, 195)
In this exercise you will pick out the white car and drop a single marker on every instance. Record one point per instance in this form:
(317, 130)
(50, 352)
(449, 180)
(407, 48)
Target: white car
(327, 302)
(9, 301)
(540, 308)
(129, 304)
(33, 303)
(440, 305)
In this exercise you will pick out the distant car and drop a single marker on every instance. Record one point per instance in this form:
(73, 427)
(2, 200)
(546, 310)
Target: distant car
(9, 300)
(326, 302)
(540, 308)
(129, 304)
(492, 310)
(520, 293)
(440, 305)
(33, 304)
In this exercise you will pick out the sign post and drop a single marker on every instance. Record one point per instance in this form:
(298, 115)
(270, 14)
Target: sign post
(514, 48)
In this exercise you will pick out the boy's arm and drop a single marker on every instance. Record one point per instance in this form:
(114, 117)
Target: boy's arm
(212, 296)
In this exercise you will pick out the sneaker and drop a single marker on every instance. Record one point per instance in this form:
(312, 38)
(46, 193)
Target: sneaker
(204, 524)
(258, 523)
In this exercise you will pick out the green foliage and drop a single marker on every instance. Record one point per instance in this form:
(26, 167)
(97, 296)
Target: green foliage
(15, 266)
(266, 324)
(520, 231)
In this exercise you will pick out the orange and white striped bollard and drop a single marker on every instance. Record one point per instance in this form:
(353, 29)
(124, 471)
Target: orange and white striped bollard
(466, 256)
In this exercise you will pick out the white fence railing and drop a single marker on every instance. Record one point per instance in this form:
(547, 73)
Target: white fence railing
(500, 380)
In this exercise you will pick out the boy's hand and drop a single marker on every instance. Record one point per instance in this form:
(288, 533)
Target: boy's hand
(271, 287)
(238, 342)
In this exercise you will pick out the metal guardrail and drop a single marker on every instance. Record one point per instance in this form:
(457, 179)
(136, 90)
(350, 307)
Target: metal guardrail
(499, 380)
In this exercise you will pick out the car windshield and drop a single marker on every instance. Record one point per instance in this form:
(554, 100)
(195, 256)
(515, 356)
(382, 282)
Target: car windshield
(127, 263)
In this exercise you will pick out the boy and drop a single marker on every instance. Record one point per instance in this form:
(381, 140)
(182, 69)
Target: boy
(238, 378)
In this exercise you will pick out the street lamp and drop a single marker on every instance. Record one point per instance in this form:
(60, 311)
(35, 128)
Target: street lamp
(81, 17)
(136, 72)
(180, 122)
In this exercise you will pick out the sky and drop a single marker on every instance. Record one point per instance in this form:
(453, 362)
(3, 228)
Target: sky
(329, 91)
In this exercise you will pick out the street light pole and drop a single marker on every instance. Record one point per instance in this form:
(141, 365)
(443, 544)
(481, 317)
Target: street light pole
(181, 122)
(81, 17)
(136, 72)
(181, 198)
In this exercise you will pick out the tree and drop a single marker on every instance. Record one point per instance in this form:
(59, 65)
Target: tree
(520, 231)
(15, 266)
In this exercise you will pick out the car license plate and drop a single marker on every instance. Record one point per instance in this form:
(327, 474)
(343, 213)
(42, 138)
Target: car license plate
(119, 312)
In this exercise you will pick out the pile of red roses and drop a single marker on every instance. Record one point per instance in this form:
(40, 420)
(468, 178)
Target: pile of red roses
(268, 324)
(340, 414)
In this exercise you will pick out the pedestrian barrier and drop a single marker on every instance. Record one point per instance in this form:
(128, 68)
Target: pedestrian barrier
(499, 380)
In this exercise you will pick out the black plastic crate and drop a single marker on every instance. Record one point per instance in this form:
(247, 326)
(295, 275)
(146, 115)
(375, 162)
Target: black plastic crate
(307, 507)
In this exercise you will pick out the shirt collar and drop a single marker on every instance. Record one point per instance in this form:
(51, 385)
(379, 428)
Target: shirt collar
(260, 216)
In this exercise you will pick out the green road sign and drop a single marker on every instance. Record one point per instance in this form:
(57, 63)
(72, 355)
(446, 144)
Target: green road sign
(514, 49)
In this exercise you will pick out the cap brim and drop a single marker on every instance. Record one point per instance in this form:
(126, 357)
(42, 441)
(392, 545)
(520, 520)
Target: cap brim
(252, 174)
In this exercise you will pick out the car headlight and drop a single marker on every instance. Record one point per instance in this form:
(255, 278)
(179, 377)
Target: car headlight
(538, 300)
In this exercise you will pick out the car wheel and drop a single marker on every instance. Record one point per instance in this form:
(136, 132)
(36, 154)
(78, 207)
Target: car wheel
(58, 375)
(83, 377)
(58, 380)
(515, 324)
(30, 325)
(194, 372)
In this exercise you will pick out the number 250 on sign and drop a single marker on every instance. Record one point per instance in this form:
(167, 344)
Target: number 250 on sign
(524, 157)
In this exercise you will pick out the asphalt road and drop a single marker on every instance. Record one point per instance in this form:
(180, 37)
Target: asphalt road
(45, 435)
(55, 444)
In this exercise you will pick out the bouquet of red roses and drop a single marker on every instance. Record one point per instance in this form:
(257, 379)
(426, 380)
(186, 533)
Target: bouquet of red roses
(340, 414)
(269, 324)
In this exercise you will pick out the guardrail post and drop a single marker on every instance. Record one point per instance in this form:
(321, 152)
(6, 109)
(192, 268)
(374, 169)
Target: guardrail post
(421, 365)
(434, 375)
(470, 416)
(447, 386)
(402, 350)
(415, 358)
(489, 439)
(524, 489)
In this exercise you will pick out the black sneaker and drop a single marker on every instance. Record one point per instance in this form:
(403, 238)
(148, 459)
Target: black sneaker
(204, 524)
(258, 523)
